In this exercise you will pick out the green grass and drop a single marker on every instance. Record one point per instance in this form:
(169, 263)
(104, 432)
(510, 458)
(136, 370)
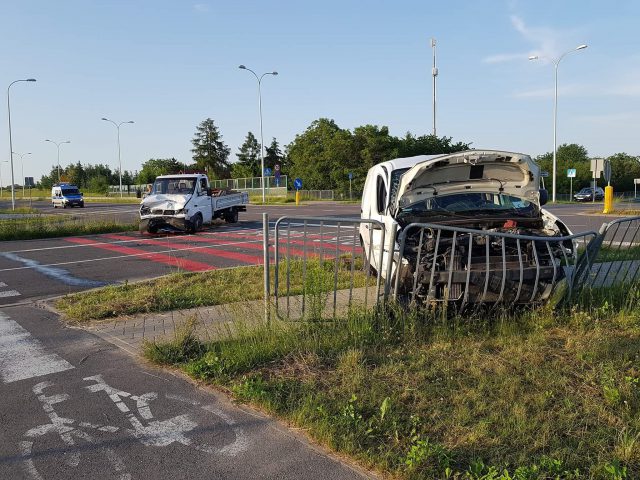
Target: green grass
(47, 226)
(257, 200)
(497, 395)
(190, 290)
(18, 210)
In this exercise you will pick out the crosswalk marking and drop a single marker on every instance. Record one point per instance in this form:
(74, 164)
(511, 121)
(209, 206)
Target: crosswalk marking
(22, 356)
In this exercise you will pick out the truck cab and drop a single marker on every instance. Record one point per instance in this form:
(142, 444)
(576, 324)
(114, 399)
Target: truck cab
(66, 195)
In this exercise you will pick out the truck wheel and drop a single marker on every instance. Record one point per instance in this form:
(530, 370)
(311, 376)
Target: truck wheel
(196, 224)
(64, 205)
(231, 217)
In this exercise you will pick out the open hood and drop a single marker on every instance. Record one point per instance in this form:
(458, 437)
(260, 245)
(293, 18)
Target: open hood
(514, 174)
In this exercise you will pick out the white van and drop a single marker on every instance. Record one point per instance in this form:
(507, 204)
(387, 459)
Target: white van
(486, 190)
(66, 195)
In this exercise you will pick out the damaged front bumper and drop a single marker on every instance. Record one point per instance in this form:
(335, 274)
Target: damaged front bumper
(153, 224)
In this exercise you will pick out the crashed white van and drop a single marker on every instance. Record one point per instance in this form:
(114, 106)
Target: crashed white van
(483, 190)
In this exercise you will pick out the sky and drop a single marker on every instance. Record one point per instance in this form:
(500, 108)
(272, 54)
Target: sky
(169, 64)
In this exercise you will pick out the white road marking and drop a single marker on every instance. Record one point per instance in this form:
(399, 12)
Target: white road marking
(9, 293)
(22, 356)
(58, 274)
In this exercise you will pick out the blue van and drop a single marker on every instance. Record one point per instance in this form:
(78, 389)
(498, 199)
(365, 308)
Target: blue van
(66, 195)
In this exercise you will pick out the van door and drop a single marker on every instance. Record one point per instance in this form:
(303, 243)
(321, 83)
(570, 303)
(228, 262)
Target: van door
(377, 193)
(203, 201)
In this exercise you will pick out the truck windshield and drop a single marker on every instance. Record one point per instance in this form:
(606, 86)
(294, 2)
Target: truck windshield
(70, 191)
(471, 204)
(173, 186)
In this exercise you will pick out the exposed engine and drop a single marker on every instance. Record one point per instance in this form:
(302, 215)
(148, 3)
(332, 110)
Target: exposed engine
(483, 267)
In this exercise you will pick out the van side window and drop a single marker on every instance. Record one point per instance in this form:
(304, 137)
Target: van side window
(381, 194)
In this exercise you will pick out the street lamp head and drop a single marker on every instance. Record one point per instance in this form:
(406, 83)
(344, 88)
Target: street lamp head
(130, 121)
(31, 80)
(533, 57)
(274, 73)
(68, 141)
(242, 67)
(47, 140)
(581, 47)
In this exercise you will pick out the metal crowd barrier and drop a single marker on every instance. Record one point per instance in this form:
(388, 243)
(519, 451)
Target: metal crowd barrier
(616, 254)
(480, 267)
(320, 251)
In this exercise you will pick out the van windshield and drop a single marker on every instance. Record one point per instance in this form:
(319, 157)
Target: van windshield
(471, 204)
(70, 191)
(173, 186)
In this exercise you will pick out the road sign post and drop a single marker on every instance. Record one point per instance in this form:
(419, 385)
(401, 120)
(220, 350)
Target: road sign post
(350, 192)
(276, 170)
(297, 184)
(636, 182)
(597, 166)
(571, 173)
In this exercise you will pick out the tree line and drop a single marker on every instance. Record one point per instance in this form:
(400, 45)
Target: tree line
(324, 155)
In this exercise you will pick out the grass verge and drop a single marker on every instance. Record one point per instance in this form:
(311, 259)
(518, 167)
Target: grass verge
(498, 395)
(47, 226)
(215, 287)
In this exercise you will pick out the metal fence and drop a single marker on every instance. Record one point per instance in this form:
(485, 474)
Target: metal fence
(253, 185)
(615, 253)
(462, 265)
(320, 269)
(319, 266)
(315, 194)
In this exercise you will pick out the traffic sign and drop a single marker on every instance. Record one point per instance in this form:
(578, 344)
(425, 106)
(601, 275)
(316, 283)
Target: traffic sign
(267, 172)
(28, 182)
(597, 165)
(297, 183)
(636, 181)
(571, 173)
(350, 176)
(607, 171)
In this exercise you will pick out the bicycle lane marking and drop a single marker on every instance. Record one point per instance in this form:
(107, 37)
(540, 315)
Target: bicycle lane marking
(149, 432)
(22, 356)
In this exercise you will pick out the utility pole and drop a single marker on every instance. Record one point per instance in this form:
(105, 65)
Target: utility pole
(434, 74)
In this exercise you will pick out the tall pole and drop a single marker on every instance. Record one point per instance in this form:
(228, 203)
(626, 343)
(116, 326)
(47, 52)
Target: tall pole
(57, 144)
(556, 62)
(117, 125)
(259, 78)
(434, 73)
(13, 193)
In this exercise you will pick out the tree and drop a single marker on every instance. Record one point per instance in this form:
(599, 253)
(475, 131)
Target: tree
(411, 145)
(569, 155)
(624, 168)
(155, 167)
(273, 155)
(209, 151)
(248, 164)
(322, 155)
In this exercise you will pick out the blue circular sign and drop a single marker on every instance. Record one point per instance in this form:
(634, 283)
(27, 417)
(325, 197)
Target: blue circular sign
(267, 172)
(297, 183)
(350, 176)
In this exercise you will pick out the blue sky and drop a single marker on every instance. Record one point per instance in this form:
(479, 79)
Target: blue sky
(168, 65)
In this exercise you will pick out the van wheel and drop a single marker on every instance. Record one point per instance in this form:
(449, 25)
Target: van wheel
(231, 217)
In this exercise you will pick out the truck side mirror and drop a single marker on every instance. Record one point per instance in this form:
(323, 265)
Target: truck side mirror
(544, 196)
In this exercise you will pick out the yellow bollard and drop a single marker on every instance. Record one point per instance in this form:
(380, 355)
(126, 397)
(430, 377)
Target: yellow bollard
(608, 199)
(297, 197)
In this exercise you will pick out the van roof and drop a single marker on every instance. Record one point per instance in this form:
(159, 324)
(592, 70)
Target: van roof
(405, 162)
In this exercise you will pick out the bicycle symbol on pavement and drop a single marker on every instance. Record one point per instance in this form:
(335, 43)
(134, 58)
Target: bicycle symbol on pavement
(137, 411)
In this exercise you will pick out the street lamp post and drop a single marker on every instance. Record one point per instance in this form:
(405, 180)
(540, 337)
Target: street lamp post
(57, 144)
(556, 62)
(13, 194)
(22, 168)
(117, 125)
(259, 78)
(434, 74)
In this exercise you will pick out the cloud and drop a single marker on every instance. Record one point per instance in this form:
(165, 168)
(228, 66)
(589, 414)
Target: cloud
(545, 42)
(201, 7)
